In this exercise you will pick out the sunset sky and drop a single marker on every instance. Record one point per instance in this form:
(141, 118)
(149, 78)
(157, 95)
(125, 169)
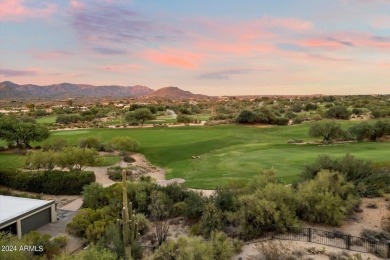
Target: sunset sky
(217, 47)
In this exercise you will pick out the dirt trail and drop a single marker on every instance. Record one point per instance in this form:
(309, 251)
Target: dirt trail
(101, 175)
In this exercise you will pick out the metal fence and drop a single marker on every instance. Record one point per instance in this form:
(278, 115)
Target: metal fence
(328, 238)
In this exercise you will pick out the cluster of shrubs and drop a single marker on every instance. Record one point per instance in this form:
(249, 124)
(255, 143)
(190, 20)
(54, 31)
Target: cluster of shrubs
(73, 118)
(370, 181)
(46, 246)
(49, 182)
(120, 143)
(261, 116)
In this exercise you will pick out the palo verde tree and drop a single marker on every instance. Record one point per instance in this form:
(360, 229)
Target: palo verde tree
(327, 130)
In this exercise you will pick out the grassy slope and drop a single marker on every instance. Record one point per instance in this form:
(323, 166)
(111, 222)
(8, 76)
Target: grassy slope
(230, 151)
(11, 161)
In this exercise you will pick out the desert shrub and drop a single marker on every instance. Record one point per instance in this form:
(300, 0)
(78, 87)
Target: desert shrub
(37, 160)
(143, 223)
(94, 196)
(273, 250)
(328, 198)
(211, 220)
(184, 248)
(46, 246)
(178, 209)
(374, 235)
(220, 247)
(371, 131)
(128, 159)
(264, 202)
(91, 252)
(246, 117)
(51, 247)
(195, 204)
(49, 182)
(297, 120)
(280, 121)
(223, 247)
(123, 144)
(91, 142)
(337, 112)
(184, 119)
(176, 192)
(91, 224)
(226, 199)
(375, 180)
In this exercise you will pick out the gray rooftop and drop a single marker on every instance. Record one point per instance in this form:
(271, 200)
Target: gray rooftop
(13, 207)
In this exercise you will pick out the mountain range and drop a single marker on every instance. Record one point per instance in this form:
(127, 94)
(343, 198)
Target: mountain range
(67, 90)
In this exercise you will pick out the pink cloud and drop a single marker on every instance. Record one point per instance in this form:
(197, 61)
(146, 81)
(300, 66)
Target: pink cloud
(51, 55)
(76, 4)
(175, 58)
(284, 23)
(121, 67)
(242, 48)
(15, 10)
(343, 40)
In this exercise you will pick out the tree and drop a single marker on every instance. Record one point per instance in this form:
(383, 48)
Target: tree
(21, 132)
(246, 117)
(371, 131)
(143, 114)
(327, 130)
(75, 158)
(338, 112)
(159, 212)
(41, 159)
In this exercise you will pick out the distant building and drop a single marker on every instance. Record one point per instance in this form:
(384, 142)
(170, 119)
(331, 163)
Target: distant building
(22, 215)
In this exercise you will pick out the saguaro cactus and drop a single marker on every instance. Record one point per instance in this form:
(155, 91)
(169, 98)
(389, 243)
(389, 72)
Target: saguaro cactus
(128, 222)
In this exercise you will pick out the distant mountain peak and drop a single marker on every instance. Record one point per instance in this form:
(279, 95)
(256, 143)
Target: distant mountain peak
(174, 92)
(9, 89)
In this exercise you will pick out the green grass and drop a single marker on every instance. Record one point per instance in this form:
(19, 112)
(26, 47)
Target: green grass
(230, 151)
(108, 160)
(46, 120)
(11, 161)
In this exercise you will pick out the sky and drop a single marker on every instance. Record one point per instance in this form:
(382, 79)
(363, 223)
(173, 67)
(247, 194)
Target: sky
(216, 47)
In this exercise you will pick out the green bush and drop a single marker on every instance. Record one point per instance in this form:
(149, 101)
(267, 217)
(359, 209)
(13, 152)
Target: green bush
(355, 170)
(49, 182)
(327, 199)
(123, 144)
(184, 119)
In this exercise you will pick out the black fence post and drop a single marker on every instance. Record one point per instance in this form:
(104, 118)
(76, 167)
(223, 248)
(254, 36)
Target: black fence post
(348, 242)
(310, 234)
